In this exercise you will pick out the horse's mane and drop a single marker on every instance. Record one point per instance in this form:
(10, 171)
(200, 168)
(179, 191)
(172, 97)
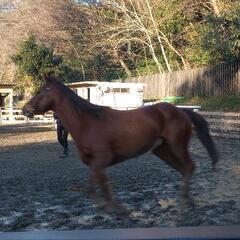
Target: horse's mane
(77, 102)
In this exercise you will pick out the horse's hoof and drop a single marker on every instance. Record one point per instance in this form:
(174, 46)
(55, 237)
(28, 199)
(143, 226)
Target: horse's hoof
(187, 202)
(126, 221)
(100, 202)
(123, 215)
(191, 202)
(116, 209)
(121, 211)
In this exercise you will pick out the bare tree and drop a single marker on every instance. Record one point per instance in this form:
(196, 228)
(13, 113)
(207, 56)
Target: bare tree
(48, 21)
(137, 22)
(215, 7)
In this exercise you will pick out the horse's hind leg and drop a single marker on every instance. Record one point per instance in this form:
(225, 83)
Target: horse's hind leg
(178, 158)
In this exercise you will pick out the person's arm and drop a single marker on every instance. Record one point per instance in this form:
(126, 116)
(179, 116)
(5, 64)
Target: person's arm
(55, 116)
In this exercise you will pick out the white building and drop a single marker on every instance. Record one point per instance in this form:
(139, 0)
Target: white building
(6, 95)
(113, 94)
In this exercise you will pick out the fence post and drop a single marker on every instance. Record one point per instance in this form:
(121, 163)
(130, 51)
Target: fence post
(1, 117)
(11, 114)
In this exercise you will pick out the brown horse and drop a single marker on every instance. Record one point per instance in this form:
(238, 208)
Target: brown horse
(105, 136)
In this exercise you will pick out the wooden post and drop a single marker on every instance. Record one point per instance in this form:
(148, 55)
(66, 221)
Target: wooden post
(0, 116)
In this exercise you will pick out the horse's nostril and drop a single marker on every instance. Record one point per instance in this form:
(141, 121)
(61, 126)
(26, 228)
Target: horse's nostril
(28, 112)
(24, 111)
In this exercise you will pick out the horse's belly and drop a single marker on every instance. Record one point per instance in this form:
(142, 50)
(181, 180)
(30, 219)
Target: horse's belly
(135, 150)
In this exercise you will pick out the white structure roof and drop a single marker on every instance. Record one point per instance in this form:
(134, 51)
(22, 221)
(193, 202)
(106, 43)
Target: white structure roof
(109, 84)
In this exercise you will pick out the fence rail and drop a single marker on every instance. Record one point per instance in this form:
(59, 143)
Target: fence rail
(14, 116)
(223, 124)
(215, 80)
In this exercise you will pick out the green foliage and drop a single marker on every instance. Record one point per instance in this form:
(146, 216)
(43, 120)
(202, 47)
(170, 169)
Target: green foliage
(144, 68)
(225, 103)
(175, 25)
(196, 100)
(36, 60)
(173, 99)
(103, 68)
(69, 70)
(220, 36)
(221, 103)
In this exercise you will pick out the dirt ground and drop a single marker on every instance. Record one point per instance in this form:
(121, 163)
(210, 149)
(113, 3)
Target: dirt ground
(40, 191)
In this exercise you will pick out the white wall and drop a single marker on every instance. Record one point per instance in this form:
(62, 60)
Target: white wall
(132, 98)
(9, 96)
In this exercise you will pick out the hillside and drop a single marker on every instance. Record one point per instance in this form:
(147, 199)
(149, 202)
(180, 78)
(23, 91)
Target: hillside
(18, 20)
(111, 39)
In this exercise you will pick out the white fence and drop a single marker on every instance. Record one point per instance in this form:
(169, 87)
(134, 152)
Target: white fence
(15, 116)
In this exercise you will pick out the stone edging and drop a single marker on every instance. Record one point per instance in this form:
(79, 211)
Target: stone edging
(223, 124)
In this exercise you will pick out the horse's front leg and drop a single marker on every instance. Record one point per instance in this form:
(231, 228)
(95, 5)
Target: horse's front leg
(98, 178)
(185, 195)
(92, 186)
(109, 204)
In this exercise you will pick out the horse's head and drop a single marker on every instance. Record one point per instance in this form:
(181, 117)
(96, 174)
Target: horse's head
(43, 101)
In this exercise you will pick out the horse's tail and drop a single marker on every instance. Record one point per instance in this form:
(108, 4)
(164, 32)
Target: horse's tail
(202, 131)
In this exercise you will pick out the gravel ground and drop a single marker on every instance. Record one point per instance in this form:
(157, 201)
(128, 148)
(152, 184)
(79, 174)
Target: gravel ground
(40, 191)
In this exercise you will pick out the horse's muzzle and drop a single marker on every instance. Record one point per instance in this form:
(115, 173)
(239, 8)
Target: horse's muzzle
(28, 112)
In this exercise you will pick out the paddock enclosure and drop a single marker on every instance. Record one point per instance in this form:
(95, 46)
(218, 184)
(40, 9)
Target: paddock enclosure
(213, 80)
(40, 191)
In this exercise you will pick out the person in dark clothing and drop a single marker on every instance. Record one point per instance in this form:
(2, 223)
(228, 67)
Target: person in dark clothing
(62, 135)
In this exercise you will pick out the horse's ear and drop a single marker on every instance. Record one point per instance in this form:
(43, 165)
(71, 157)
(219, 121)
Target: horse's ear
(50, 77)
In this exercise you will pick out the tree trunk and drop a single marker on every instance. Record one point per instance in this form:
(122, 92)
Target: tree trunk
(215, 7)
(158, 36)
(123, 64)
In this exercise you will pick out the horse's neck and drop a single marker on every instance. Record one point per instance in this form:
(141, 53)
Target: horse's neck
(70, 117)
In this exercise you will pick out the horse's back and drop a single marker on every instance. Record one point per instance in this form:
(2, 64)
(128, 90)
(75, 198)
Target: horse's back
(160, 115)
(173, 121)
(170, 112)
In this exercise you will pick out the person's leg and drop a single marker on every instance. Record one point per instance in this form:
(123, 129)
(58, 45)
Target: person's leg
(60, 135)
(65, 141)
